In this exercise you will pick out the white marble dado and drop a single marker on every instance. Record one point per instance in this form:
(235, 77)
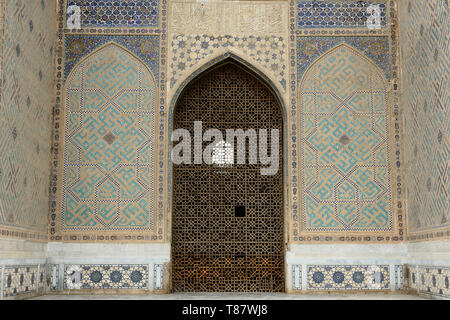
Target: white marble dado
(104, 253)
(20, 252)
(347, 254)
(429, 253)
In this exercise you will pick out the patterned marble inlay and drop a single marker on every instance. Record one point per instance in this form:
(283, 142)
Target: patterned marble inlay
(350, 277)
(117, 13)
(426, 64)
(189, 50)
(430, 280)
(336, 13)
(108, 276)
(109, 135)
(346, 186)
(20, 280)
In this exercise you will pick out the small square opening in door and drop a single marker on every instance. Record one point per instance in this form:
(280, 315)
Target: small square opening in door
(239, 211)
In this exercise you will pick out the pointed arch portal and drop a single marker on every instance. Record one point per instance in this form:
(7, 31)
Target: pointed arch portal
(228, 221)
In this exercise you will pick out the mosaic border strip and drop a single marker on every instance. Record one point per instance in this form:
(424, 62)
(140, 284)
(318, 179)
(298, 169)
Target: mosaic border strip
(298, 236)
(18, 280)
(348, 277)
(297, 277)
(430, 280)
(55, 234)
(106, 276)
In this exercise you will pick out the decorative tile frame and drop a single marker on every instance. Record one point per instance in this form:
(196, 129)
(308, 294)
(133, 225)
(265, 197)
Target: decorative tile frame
(94, 37)
(391, 69)
(430, 280)
(348, 277)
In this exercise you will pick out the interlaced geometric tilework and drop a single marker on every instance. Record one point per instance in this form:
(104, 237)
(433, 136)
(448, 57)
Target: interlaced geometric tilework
(26, 84)
(426, 65)
(336, 13)
(348, 277)
(214, 246)
(117, 13)
(344, 151)
(109, 137)
(189, 50)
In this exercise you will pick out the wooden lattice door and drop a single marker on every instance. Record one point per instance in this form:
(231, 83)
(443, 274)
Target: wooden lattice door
(227, 224)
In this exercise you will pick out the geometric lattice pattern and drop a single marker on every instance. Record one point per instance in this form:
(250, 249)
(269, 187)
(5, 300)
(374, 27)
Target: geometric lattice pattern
(109, 276)
(426, 65)
(113, 13)
(21, 280)
(213, 247)
(348, 277)
(336, 14)
(344, 151)
(430, 280)
(109, 136)
(189, 50)
(26, 90)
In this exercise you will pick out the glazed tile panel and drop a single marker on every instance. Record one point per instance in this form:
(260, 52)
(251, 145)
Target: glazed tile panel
(337, 14)
(107, 276)
(117, 13)
(109, 137)
(26, 52)
(430, 280)
(425, 45)
(348, 277)
(345, 150)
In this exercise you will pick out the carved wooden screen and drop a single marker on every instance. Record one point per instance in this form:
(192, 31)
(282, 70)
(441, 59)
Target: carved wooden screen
(227, 229)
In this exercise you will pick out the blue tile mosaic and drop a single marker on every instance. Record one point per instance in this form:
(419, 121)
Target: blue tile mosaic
(145, 47)
(117, 13)
(106, 276)
(311, 48)
(336, 14)
(348, 277)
